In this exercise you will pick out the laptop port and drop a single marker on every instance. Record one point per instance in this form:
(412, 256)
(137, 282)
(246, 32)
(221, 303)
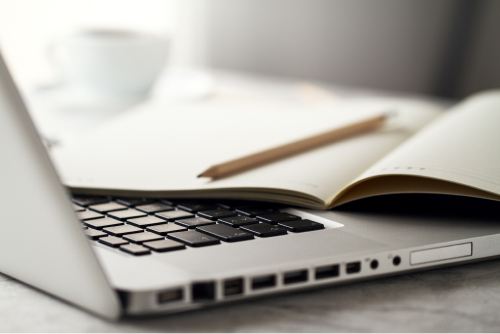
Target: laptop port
(353, 267)
(396, 261)
(170, 296)
(203, 291)
(327, 271)
(263, 282)
(292, 277)
(233, 287)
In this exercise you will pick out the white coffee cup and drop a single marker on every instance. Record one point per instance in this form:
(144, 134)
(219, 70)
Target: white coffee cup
(114, 61)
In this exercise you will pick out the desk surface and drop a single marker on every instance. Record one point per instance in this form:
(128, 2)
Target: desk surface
(461, 298)
(457, 299)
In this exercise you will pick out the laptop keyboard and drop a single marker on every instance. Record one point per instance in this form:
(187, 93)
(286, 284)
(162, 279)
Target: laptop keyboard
(141, 226)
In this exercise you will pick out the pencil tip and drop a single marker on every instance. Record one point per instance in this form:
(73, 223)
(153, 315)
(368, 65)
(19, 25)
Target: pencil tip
(210, 172)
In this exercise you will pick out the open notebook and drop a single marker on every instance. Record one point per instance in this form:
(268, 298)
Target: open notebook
(157, 151)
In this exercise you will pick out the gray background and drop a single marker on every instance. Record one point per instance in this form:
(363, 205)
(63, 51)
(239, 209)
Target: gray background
(447, 48)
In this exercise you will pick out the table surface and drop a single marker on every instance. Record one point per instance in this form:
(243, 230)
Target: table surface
(463, 298)
(459, 299)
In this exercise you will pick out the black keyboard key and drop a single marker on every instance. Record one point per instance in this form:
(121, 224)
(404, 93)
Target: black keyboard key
(193, 222)
(89, 200)
(194, 238)
(154, 207)
(302, 225)
(113, 241)
(195, 207)
(238, 221)
(167, 202)
(102, 222)
(141, 237)
(225, 233)
(146, 221)
(254, 210)
(216, 214)
(164, 245)
(231, 205)
(130, 201)
(264, 230)
(95, 234)
(135, 249)
(88, 215)
(274, 218)
(174, 215)
(127, 214)
(107, 207)
(122, 230)
(164, 229)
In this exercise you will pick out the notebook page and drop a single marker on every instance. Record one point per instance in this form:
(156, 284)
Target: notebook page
(161, 151)
(462, 147)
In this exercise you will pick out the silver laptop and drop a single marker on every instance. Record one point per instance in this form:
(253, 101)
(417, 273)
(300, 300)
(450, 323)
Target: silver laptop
(94, 266)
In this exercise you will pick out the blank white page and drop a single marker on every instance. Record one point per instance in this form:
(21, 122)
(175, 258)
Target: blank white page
(161, 150)
(462, 147)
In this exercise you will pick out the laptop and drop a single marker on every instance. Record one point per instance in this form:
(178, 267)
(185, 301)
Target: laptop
(89, 252)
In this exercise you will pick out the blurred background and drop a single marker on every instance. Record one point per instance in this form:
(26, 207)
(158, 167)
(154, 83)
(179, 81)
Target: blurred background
(29, 27)
(447, 48)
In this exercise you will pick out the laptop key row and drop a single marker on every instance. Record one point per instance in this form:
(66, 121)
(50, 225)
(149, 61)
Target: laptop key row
(140, 226)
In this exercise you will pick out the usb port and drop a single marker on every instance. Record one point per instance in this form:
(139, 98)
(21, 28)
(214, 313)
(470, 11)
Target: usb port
(263, 282)
(233, 287)
(203, 291)
(353, 267)
(327, 271)
(292, 277)
(170, 296)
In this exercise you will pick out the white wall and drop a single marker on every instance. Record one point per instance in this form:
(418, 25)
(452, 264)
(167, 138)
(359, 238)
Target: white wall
(390, 44)
(449, 47)
(482, 62)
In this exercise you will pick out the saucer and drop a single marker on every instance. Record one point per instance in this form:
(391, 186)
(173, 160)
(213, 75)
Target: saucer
(63, 111)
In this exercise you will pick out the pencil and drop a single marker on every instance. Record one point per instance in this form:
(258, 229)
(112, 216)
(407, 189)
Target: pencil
(264, 157)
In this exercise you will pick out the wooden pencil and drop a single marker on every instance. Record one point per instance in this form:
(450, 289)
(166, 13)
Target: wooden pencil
(270, 155)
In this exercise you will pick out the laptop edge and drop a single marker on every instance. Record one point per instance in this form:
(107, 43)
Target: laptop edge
(32, 208)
